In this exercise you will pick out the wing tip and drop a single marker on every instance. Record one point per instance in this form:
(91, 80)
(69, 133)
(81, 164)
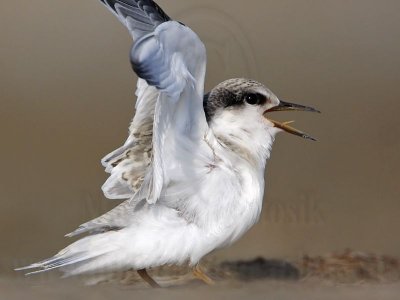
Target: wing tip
(140, 4)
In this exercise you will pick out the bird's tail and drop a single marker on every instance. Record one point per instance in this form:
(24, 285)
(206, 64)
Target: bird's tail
(90, 254)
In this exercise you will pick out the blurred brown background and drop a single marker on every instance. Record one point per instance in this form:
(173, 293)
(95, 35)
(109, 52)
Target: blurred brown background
(67, 96)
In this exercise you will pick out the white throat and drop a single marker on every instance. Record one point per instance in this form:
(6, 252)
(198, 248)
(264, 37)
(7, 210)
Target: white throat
(246, 135)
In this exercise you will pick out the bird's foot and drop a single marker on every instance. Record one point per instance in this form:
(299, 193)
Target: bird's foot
(199, 274)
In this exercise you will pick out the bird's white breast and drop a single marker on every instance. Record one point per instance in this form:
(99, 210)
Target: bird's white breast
(235, 186)
(236, 190)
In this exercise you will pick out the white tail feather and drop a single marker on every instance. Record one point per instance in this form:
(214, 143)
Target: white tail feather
(73, 258)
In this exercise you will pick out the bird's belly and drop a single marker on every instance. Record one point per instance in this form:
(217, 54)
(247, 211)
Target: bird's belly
(223, 229)
(220, 208)
(232, 210)
(232, 227)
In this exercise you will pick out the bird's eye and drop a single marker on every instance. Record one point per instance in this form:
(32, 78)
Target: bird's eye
(252, 99)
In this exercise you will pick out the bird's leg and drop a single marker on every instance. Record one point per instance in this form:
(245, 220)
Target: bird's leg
(199, 274)
(146, 277)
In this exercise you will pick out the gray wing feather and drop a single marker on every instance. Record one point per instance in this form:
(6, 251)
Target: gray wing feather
(139, 16)
(170, 60)
(128, 164)
(117, 218)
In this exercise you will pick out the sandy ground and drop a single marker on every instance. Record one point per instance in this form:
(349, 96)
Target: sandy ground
(12, 289)
(342, 275)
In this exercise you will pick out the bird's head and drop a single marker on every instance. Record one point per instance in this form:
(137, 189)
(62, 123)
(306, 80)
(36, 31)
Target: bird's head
(238, 111)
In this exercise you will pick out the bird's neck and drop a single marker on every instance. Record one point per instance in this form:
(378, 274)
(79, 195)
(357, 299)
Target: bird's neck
(248, 140)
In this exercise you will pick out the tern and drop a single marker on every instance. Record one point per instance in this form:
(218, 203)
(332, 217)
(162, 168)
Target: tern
(191, 173)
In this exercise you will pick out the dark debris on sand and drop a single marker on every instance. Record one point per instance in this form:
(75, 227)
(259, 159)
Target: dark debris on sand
(351, 267)
(261, 268)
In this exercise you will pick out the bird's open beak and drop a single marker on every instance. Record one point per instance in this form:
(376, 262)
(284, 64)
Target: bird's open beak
(286, 106)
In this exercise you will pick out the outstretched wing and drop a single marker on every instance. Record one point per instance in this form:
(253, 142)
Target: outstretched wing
(166, 146)
(128, 164)
(139, 16)
(165, 142)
